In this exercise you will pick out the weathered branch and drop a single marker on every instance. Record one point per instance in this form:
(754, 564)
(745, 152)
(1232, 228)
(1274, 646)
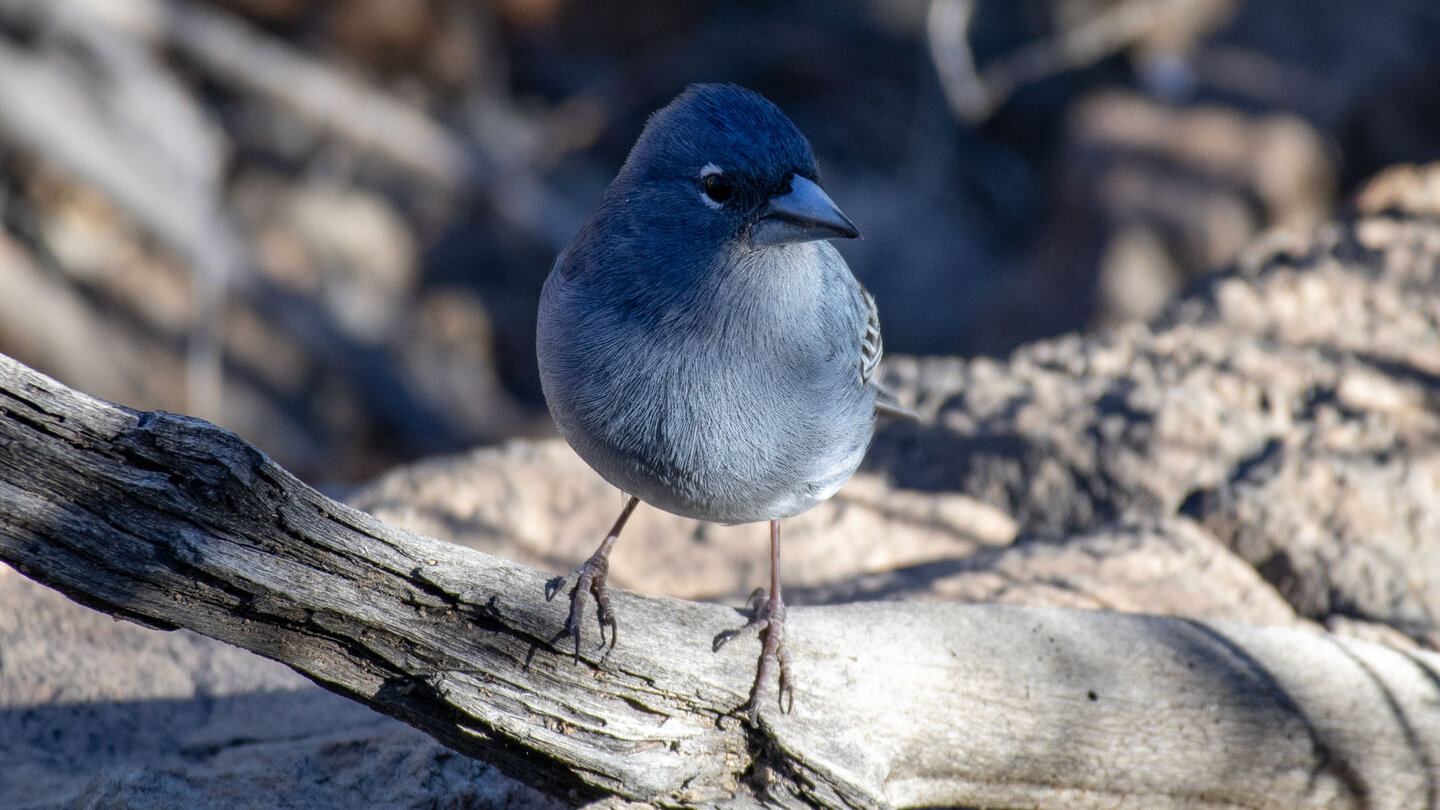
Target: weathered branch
(172, 522)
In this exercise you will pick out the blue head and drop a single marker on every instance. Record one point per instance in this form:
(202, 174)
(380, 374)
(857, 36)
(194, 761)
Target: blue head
(728, 127)
(719, 169)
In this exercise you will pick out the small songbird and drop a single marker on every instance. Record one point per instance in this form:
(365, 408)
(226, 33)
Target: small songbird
(703, 347)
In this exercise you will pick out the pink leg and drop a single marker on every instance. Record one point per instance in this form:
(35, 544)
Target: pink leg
(768, 617)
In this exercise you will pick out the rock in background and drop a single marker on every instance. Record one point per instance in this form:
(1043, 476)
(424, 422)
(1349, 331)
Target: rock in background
(1291, 407)
(324, 225)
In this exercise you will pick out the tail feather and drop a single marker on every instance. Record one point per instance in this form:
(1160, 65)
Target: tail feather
(887, 404)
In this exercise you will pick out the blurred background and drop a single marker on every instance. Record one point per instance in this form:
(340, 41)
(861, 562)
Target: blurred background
(324, 224)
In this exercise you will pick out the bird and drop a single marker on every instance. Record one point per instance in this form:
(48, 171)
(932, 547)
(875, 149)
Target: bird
(705, 348)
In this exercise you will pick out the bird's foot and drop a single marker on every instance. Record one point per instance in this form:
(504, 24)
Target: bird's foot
(589, 578)
(767, 618)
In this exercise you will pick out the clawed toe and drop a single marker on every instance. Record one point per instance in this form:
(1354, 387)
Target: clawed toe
(589, 579)
(785, 697)
(759, 620)
(767, 618)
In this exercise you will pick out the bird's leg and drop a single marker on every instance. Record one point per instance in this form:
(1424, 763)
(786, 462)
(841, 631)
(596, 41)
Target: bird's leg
(767, 617)
(590, 578)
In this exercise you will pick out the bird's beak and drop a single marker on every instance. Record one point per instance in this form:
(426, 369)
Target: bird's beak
(803, 215)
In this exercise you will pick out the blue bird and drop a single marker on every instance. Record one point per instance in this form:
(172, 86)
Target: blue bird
(704, 348)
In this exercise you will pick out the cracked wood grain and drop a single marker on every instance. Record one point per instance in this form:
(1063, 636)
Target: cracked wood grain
(172, 522)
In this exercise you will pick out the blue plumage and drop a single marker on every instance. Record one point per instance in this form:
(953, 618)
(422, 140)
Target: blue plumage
(700, 344)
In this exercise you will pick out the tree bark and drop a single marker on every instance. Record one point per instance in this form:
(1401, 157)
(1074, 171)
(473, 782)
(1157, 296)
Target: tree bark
(172, 522)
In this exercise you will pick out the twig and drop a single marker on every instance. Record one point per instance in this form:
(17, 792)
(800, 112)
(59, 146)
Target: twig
(974, 94)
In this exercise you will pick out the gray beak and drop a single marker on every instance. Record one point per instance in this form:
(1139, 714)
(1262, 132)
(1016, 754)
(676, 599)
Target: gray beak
(804, 215)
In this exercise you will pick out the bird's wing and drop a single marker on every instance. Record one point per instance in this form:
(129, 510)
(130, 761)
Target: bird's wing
(872, 349)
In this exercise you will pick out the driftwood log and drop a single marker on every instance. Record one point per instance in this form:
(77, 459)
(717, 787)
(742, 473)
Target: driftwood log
(172, 522)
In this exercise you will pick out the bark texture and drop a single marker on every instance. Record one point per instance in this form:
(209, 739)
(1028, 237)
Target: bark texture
(172, 522)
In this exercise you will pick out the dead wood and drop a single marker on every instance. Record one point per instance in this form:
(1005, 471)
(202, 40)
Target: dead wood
(172, 522)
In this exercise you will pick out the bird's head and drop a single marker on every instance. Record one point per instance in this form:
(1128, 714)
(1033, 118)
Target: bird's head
(723, 163)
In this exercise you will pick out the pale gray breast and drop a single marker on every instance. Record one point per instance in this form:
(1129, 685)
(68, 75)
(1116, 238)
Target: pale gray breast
(748, 406)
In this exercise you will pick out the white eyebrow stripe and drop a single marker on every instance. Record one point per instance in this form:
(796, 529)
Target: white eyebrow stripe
(708, 170)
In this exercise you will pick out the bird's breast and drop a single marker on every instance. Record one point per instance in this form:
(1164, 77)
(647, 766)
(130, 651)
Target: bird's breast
(742, 417)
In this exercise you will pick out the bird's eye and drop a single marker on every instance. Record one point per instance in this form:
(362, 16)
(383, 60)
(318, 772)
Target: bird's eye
(718, 187)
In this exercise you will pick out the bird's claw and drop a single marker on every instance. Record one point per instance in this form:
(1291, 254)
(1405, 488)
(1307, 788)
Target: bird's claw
(757, 598)
(767, 618)
(589, 578)
(754, 626)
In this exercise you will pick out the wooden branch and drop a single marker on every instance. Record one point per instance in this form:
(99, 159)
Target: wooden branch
(173, 522)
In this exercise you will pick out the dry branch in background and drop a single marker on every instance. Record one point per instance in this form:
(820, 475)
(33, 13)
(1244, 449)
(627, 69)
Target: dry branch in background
(172, 522)
(1165, 31)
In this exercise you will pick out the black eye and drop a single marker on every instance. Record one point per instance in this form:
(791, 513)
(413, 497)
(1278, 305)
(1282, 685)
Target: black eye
(717, 187)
